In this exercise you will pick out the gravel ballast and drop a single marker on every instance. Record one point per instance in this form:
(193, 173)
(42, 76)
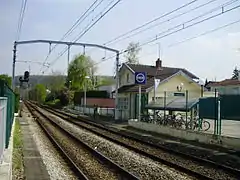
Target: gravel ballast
(187, 163)
(54, 163)
(84, 159)
(162, 154)
(139, 165)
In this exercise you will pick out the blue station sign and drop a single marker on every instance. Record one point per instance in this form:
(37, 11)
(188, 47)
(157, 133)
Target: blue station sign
(140, 78)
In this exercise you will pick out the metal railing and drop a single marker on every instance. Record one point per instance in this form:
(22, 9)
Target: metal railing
(106, 113)
(3, 119)
(7, 93)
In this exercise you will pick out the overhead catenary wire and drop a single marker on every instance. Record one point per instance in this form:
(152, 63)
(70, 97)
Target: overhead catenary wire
(162, 22)
(20, 19)
(158, 18)
(188, 39)
(176, 31)
(124, 35)
(160, 36)
(152, 21)
(86, 30)
(145, 24)
(199, 35)
(157, 37)
(89, 26)
(204, 33)
(82, 18)
(75, 25)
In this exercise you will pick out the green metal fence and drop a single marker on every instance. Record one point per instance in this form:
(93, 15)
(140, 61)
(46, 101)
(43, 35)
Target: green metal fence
(6, 91)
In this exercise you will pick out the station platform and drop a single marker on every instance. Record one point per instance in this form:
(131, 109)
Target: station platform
(34, 168)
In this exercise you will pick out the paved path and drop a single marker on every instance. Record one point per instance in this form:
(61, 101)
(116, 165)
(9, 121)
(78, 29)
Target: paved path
(34, 168)
(229, 128)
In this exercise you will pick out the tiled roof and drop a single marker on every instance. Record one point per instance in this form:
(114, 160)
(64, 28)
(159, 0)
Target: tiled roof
(151, 70)
(226, 82)
(211, 83)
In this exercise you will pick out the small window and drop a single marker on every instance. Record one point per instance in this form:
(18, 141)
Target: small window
(179, 94)
(128, 78)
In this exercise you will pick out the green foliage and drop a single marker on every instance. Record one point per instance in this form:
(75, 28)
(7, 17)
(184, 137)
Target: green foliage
(105, 82)
(41, 92)
(17, 158)
(133, 50)
(51, 96)
(235, 74)
(65, 96)
(80, 68)
(55, 103)
(7, 79)
(57, 81)
(17, 99)
(38, 93)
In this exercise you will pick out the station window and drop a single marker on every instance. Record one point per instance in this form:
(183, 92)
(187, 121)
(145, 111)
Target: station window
(123, 103)
(179, 94)
(127, 78)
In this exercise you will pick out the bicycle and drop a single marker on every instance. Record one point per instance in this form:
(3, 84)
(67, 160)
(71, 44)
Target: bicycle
(146, 118)
(197, 123)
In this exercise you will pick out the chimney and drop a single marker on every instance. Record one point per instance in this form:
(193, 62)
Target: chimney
(158, 64)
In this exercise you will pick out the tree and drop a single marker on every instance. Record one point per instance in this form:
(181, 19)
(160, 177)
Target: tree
(132, 53)
(57, 81)
(38, 93)
(235, 74)
(79, 69)
(65, 96)
(105, 81)
(7, 79)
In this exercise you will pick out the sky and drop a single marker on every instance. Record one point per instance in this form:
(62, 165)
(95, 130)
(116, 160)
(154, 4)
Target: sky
(212, 56)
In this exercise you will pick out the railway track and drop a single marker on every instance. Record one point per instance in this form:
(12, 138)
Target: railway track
(121, 173)
(111, 135)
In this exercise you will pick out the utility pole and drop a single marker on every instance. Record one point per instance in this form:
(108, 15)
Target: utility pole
(13, 65)
(117, 86)
(84, 50)
(154, 91)
(68, 55)
(159, 57)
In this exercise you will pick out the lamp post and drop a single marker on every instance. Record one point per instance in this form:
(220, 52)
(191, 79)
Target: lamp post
(85, 93)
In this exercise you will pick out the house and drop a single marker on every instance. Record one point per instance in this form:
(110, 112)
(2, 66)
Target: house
(108, 88)
(105, 83)
(174, 83)
(225, 87)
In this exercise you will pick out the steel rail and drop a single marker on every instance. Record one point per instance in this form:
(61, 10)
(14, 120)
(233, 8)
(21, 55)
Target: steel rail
(233, 171)
(78, 172)
(123, 172)
(154, 157)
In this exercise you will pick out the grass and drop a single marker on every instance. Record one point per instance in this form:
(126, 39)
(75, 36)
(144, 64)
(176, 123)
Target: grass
(18, 168)
(55, 104)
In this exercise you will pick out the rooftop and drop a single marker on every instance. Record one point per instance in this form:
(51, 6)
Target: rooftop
(163, 72)
(226, 82)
